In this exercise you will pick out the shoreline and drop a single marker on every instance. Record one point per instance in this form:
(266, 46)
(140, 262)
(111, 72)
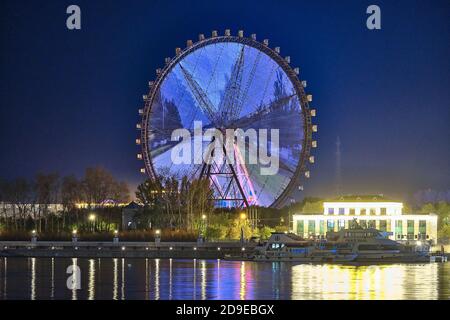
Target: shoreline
(150, 250)
(101, 249)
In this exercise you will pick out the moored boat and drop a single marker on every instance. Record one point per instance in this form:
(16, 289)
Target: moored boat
(291, 248)
(371, 245)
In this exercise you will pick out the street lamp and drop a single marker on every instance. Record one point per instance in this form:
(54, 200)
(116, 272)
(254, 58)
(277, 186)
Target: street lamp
(243, 216)
(33, 236)
(116, 236)
(157, 236)
(92, 218)
(74, 235)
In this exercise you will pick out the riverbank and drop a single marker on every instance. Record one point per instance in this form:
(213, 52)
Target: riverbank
(92, 249)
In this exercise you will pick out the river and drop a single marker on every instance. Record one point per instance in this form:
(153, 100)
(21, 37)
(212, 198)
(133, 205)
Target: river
(100, 279)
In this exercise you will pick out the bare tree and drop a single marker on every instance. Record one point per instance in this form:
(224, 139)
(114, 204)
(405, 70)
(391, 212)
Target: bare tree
(20, 197)
(98, 185)
(47, 191)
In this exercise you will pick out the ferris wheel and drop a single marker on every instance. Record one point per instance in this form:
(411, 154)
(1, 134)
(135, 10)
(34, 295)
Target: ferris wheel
(230, 82)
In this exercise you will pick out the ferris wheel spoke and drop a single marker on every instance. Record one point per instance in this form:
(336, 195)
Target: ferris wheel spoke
(230, 102)
(261, 112)
(200, 96)
(247, 86)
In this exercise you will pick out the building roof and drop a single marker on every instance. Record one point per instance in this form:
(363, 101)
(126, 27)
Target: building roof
(132, 205)
(361, 198)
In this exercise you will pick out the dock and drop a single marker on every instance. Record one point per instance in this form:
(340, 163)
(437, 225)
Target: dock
(92, 249)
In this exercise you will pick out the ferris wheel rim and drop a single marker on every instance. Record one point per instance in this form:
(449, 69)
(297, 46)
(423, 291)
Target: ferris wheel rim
(305, 113)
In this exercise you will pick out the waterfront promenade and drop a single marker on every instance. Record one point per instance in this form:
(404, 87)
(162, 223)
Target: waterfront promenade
(94, 249)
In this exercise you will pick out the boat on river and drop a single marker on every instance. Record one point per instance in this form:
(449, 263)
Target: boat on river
(344, 246)
(372, 245)
(292, 248)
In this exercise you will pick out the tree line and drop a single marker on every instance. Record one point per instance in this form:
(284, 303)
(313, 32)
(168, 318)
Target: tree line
(27, 203)
(174, 203)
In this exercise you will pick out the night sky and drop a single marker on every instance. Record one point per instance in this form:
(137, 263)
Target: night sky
(69, 99)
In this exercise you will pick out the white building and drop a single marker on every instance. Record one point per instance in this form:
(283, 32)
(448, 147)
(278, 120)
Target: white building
(28, 209)
(373, 212)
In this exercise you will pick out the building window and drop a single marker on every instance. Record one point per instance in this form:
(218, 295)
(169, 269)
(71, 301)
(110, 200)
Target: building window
(410, 229)
(422, 226)
(352, 211)
(300, 227)
(383, 211)
(341, 211)
(341, 224)
(352, 224)
(362, 212)
(363, 224)
(330, 211)
(330, 225)
(312, 227)
(383, 225)
(322, 227)
(371, 224)
(398, 227)
(372, 212)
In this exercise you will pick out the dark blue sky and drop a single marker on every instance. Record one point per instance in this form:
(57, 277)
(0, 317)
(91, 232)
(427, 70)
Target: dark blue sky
(69, 99)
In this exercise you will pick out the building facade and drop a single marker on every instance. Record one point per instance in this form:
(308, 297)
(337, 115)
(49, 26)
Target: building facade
(382, 215)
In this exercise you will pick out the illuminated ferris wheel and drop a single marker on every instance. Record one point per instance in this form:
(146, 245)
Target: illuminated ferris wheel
(230, 82)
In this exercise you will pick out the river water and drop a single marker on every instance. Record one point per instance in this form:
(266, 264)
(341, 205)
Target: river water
(47, 278)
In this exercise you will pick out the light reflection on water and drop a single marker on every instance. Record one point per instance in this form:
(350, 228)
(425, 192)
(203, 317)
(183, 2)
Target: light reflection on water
(45, 278)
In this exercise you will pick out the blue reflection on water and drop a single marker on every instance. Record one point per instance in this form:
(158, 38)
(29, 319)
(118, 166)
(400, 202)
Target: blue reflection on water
(41, 278)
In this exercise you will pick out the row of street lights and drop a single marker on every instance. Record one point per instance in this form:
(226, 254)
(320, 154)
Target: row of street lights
(92, 217)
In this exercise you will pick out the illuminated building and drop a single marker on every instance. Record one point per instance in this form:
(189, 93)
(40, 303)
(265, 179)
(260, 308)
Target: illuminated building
(374, 212)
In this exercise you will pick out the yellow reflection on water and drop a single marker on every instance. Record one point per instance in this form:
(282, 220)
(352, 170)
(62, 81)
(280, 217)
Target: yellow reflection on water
(115, 279)
(122, 287)
(91, 284)
(203, 279)
(147, 289)
(242, 289)
(170, 279)
(33, 278)
(218, 279)
(195, 280)
(157, 279)
(75, 278)
(52, 285)
(380, 282)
